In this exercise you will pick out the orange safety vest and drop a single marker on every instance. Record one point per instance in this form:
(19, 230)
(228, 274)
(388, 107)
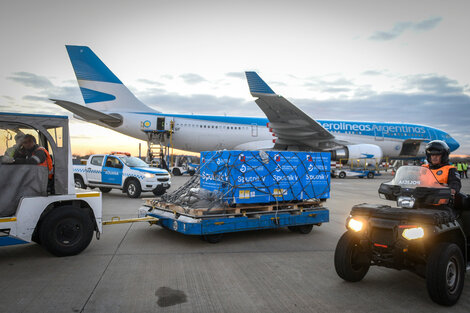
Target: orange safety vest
(441, 174)
(48, 162)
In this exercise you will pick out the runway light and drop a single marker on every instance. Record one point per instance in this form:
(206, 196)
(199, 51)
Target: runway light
(413, 233)
(355, 225)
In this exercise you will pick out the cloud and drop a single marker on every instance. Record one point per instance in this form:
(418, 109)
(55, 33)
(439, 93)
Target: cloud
(150, 82)
(329, 86)
(400, 27)
(434, 84)
(240, 75)
(31, 80)
(427, 99)
(372, 73)
(192, 79)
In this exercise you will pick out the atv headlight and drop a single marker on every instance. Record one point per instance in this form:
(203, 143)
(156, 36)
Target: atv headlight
(413, 233)
(406, 202)
(148, 175)
(355, 225)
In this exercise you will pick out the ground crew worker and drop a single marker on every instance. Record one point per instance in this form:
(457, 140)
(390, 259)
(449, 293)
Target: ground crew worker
(31, 153)
(465, 168)
(18, 142)
(460, 169)
(437, 154)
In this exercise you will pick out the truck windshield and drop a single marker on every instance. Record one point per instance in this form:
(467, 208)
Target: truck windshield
(133, 161)
(415, 176)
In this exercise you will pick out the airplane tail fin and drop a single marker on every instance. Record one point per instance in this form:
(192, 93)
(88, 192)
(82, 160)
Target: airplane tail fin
(257, 86)
(101, 89)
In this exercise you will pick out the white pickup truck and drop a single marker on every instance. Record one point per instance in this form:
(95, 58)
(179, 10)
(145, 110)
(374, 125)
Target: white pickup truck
(121, 171)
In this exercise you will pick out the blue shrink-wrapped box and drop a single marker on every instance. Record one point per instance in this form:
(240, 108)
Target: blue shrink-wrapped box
(266, 176)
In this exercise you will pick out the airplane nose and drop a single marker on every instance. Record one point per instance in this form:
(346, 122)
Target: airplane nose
(453, 144)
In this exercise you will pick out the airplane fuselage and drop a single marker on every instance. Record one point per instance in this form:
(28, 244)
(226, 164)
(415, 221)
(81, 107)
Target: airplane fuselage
(203, 132)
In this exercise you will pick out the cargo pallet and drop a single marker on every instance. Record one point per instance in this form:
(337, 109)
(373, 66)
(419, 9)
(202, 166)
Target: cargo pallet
(212, 223)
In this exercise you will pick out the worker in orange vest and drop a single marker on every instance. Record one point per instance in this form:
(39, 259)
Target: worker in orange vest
(437, 155)
(32, 153)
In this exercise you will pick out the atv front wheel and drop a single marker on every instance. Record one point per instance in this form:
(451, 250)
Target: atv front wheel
(445, 274)
(351, 261)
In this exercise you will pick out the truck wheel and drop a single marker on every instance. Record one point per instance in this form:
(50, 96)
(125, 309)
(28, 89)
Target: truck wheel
(445, 274)
(342, 175)
(351, 263)
(66, 231)
(305, 229)
(159, 191)
(370, 175)
(133, 188)
(191, 173)
(215, 238)
(176, 172)
(79, 183)
(105, 189)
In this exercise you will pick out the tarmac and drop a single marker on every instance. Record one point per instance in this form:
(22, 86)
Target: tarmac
(142, 268)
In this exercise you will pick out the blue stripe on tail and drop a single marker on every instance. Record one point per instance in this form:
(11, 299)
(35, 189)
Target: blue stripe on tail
(91, 96)
(256, 84)
(88, 66)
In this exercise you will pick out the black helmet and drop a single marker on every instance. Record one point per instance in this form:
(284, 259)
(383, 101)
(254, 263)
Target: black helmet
(438, 147)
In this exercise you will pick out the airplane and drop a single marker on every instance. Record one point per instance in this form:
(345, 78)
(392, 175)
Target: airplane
(109, 103)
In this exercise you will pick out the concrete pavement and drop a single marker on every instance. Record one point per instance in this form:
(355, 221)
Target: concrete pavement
(142, 268)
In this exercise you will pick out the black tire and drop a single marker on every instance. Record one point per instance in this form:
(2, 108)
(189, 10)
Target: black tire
(305, 229)
(293, 229)
(445, 274)
(351, 263)
(342, 175)
(159, 191)
(105, 189)
(66, 231)
(176, 172)
(370, 175)
(215, 238)
(79, 183)
(133, 188)
(191, 173)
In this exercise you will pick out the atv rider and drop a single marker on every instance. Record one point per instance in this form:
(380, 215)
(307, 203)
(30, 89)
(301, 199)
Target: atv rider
(437, 155)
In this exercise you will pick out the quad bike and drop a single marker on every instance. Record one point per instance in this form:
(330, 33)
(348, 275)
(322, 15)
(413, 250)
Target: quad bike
(425, 233)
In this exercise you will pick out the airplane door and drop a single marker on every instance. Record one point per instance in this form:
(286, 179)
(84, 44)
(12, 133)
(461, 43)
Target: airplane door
(254, 130)
(112, 171)
(161, 123)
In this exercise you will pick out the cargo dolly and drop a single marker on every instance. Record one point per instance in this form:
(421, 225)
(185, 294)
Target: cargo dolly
(211, 224)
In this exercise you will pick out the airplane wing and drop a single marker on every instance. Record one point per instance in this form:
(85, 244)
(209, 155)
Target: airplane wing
(291, 126)
(89, 114)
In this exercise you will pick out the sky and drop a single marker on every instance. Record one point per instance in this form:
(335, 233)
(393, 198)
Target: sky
(385, 61)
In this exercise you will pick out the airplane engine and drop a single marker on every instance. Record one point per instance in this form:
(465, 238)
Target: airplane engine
(358, 155)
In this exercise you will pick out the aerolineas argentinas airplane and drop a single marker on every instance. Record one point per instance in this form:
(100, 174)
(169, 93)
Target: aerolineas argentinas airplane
(110, 104)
